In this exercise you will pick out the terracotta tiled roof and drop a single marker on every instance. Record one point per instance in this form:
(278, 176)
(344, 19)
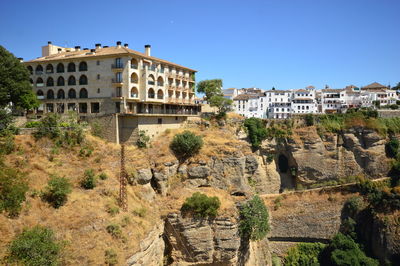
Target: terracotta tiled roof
(105, 51)
(310, 87)
(374, 85)
(245, 97)
(332, 90)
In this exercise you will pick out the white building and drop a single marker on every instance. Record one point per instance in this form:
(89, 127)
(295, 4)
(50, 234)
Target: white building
(333, 100)
(278, 103)
(304, 101)
(250, 105)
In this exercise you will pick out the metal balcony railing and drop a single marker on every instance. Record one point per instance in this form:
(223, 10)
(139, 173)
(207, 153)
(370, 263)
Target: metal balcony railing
(117, 66)
(115, 80)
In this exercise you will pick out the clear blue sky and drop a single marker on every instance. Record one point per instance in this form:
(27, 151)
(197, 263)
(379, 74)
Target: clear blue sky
(282, 43)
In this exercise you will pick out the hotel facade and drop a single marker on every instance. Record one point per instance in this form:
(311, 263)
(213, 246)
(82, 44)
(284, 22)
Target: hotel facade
(140, 91)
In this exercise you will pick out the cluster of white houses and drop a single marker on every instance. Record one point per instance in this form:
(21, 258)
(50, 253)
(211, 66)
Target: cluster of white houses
(140, 91)
(281, 104)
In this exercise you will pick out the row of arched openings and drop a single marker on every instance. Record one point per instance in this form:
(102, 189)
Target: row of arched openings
(83, 94)
(71, 67)
(83, 80)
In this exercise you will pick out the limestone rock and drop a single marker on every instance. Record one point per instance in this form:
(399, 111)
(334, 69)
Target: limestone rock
(199, 172)
(144, 176)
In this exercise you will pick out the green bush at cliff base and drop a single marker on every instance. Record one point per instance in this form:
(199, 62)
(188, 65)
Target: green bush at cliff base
(89, 180)
(343, 250)
(254, 218)
(201, 205)
(392, 148)
(186, 144)
(35, 247)
(304, 254)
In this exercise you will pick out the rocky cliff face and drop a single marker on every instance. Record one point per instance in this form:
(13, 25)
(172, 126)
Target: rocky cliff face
(312, 158)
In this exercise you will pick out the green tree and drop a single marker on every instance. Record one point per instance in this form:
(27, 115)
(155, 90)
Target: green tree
(15, 87)
(201, 205)
(256, 131)
(186, 144)
(211, 87)
(223, 104)
(304, 254)
(6, 119)
(254, 217)
(57, 190)
(35, 247)
(343, 250)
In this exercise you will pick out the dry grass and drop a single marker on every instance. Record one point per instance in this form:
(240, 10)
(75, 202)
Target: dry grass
(82, 221)
(218, 142)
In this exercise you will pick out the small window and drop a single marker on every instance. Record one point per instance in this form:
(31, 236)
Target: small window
(95, 107)
(98, 76)
(98, 90)
(176, 118)
(159, 121)
(83, 108)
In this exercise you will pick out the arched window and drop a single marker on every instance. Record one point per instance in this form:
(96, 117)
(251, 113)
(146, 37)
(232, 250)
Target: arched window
(170, 93)
(50, 94)
(39, 93)
(160, 94)
(60, 68)
(160, 81)
(71, 67)
(150, 93)
(83, 93)
(83, 80)
(39, 70)
(134, 78)
(82, 66)
(50, 82)
(71, 80)
(60, 81)
(134, 92)
(60, 94)
(49, 69)
(150, 80)
(71, 94)
(30, 69)
(39, 82)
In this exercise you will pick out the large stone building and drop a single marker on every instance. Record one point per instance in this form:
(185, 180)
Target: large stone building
(133, 90)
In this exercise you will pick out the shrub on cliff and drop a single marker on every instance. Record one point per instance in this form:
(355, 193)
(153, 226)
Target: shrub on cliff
(89, 180)
(186, 144)
(254, 217)
(13, 187)
(35, 247)
(201, 205)
(57, 190)
(304, 254)
(256, 131)
(392, 147)
(343, 250)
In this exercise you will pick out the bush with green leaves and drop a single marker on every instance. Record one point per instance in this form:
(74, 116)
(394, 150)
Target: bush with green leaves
(110, 257)
(256, 131)
(254, 219)
(392, 147)
(35, 247)
(49, 127)
(186, 144)
(353, 206)
(13, 187)
(7, 144)
(343, 250)
(114, 230)
(143, 139)
(200, 205)
(304, 254)
(89, 180)
(57, 190)
(32, 124)
(309, 120)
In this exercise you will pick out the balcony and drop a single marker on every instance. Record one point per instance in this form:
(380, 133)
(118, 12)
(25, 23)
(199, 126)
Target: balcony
(117, 66)
(37, 72)
(40, 97)
(39, 84)
(133, 66)
(151, 82)
(117, 82)
(135, 81)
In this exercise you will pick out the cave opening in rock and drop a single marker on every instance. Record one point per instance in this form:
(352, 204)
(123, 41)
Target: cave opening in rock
(283, 163)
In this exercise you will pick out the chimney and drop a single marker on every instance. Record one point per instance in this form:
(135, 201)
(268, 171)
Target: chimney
(125, 45)
(21, 59)
(147, 49)
(93, 51)
(77, 48)
(118, 44)
(98, 46)
(86, 49)
(105, 46)
(49, 42)
(59, 50)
